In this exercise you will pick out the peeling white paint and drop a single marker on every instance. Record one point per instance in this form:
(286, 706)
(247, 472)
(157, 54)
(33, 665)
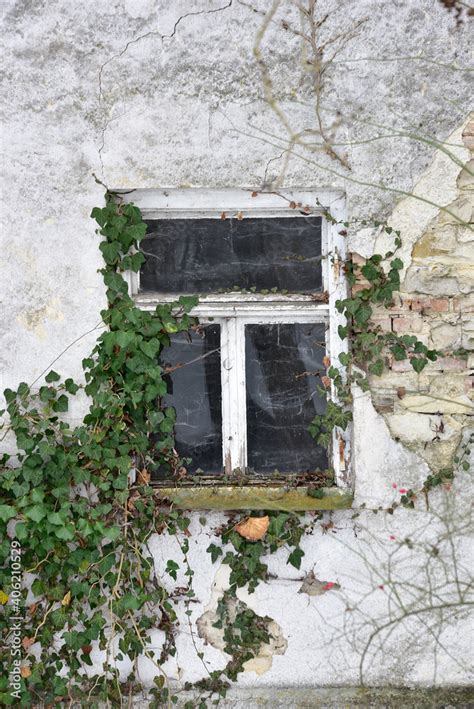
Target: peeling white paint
(184, 112)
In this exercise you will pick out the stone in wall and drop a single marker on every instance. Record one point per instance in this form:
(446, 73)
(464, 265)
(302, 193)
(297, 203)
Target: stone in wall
(428, 412)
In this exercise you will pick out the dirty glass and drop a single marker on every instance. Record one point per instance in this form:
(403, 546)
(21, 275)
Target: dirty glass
(282, 366)
(194, 391)
(209, 255)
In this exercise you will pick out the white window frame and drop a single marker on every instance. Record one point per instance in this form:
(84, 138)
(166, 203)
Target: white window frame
(232, 311)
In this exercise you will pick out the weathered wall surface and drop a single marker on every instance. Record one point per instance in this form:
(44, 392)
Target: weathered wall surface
(129, 91)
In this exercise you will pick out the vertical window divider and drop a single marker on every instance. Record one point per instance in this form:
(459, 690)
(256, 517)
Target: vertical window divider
(337, 290)
(234, 419)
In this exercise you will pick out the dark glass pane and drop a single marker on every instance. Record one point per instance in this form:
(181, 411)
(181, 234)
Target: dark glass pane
(207, 255)
(194, 391)
(282, 399)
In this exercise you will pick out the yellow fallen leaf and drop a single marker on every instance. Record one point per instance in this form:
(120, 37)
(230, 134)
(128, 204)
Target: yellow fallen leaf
(67, 599)
(3, 598)
(253, 528)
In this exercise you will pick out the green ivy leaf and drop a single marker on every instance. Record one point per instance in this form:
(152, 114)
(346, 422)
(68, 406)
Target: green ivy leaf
(9, 395)
(61, 404)
(172, 568)
(277, 524)
(295, 557)
(362, 315)
(65, 533)
(71, 387)
(7, 512)
(214, 551)
(188, 302)
(36, 513)
(418, 364)
(52, 376)
(399, 352)
(369, 271)
(376, 367)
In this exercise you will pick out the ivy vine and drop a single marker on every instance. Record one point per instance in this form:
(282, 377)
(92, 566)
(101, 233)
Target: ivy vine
(69, 498)
(368, 342)
(79, 502)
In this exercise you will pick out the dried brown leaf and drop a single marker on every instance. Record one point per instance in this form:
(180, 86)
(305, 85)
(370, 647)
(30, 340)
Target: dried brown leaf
(253, 528)
(143, 477)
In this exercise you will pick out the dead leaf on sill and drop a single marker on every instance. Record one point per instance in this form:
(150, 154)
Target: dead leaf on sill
(314, 587)
(253, 528)
(143, 477)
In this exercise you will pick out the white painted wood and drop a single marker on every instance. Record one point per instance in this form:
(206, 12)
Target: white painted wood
(194, 202)
(235, 309)
(229, 383)
(338, 290)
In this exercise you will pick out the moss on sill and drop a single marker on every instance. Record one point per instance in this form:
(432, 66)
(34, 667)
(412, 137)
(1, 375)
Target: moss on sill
(254, 497)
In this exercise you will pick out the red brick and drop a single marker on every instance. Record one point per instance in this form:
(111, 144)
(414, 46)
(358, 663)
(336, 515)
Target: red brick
(438, 305)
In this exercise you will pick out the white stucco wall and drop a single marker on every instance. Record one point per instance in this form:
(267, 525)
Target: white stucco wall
(120, 90)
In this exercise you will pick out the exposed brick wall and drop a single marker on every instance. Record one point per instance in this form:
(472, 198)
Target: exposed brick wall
(429, 411)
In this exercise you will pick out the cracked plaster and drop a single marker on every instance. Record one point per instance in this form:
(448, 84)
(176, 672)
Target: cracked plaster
(185, 111)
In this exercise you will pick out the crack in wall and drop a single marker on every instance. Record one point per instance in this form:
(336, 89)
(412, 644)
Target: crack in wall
(150, 33)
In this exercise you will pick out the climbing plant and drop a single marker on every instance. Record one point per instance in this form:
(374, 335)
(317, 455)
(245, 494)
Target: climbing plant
(79, 503)
(369, 344)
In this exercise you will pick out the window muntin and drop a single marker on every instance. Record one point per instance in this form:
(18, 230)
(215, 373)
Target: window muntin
(234, 311)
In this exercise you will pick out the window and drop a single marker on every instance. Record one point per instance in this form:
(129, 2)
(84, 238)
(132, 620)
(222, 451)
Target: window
(268, 270)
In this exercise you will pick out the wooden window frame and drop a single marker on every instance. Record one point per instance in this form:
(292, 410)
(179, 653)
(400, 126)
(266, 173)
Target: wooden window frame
(232, 311)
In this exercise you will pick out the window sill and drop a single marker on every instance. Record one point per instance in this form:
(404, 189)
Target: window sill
(227, 497)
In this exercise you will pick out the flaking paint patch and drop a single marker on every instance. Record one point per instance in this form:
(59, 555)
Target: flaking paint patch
(215, 636)
(437, 185)
(35, 318)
